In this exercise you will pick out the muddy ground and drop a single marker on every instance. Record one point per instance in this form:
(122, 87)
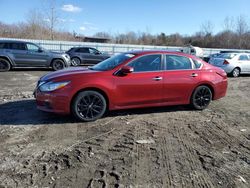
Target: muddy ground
(184, 148)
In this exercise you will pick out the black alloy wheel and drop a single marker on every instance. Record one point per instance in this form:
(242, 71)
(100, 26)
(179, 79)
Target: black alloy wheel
(58, 64)
(4, 65)
(201, 97)
(88, 106)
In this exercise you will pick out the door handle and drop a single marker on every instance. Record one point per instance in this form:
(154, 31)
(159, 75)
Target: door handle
(157, 78)
(194, 75)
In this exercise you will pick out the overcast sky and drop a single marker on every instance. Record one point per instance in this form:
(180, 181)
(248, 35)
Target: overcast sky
(114, 16)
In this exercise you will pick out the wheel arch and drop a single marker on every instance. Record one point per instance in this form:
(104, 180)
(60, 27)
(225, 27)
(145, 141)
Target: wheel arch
(203, 84)
(91, 89)
(8, 59)
(57, 58)
(237, 67)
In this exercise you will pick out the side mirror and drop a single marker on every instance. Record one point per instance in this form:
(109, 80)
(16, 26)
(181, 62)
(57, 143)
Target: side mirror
(40, 50)
(127, 69)
(98, 53)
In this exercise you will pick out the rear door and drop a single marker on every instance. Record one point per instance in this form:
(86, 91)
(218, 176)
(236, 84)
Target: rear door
(143, 87)
(180, 78)
(19, 52)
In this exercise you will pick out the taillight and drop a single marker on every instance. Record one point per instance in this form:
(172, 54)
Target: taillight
(221, 72)
(225, 62)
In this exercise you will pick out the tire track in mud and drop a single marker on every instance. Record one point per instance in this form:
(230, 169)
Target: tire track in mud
(108, 155)
(222, 154)
(178, 159)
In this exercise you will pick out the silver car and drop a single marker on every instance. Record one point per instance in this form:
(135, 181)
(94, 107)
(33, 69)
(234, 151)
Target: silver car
(232, 63)
(26, 54)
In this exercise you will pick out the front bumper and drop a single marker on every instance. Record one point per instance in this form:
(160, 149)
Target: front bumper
(52, 102)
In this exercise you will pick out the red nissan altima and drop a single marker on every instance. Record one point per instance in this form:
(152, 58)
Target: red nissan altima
(131, 80)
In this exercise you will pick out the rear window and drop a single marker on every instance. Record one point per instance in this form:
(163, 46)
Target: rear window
(226, 55)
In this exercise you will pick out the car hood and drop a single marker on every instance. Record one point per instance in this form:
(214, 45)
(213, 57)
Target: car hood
(66, 72)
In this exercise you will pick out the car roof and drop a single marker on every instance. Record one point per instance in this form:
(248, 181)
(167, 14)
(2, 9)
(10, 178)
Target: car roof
(145, 52)
(81, 47)
(13, 41)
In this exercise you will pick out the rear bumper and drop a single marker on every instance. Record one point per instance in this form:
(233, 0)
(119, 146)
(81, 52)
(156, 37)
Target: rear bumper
(220, 89)
(227, 68)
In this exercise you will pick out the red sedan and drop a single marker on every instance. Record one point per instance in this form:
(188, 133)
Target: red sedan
(131, 80)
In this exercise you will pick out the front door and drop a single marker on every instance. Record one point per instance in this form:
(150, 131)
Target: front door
(143, 87)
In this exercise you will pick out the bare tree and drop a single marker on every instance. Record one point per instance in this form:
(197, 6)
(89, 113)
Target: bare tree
(241, 25)
(229, 24)
(241, 30)
(51, 16)
(207, 28)
(35, 24)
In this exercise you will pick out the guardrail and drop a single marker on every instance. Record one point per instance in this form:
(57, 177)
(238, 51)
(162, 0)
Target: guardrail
(111, 49)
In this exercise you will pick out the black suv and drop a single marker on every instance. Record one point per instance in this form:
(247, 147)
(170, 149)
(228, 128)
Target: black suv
(86, 55)
(27, 54)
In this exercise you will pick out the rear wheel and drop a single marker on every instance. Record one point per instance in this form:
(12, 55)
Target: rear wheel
(201, 97)
(88, 106)
(236, 72)
(4, 65)
(75, 61)
(58, 64)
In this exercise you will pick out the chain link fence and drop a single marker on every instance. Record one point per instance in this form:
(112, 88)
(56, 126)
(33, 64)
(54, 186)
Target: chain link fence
(62, 46)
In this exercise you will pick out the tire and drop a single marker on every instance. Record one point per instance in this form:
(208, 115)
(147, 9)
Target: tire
(201, 97)
(88, 106)
(58, 64)
(75, 61)
(235, 73)
(4, 65)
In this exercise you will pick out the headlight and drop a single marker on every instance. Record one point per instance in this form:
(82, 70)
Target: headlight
(51, 86)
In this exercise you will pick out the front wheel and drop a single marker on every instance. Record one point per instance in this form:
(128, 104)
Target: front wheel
(88, 106)
(201, 97)
(58, 64)
(75, 61)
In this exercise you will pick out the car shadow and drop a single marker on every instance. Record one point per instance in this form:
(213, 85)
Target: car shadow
(24, 112)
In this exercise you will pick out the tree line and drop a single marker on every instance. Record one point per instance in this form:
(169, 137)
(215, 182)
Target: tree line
(235, 33)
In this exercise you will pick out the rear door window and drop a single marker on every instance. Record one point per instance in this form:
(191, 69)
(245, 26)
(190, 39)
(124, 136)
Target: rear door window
(1, 45)
(174, 62)
(82, 50)
(17, 46)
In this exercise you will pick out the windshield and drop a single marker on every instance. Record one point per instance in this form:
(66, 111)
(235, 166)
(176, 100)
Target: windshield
(112, 62)
(226, 55)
